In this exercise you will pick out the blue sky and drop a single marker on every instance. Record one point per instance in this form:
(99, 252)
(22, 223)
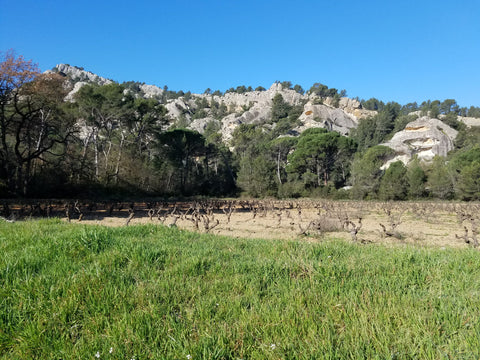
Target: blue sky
(400, 51)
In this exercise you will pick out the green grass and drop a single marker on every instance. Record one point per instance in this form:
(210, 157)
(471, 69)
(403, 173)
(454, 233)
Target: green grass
(146, 292)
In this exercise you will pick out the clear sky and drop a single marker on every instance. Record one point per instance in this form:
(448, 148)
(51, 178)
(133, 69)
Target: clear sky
(400, 51)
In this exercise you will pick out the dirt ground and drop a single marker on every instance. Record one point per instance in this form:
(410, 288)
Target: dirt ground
(424, 224)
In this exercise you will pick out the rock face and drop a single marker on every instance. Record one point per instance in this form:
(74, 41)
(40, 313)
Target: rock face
(259, 104)
(151, 91)
(469, 121)
(253, 107)
(79, 77)
(78, 74)
(424, 137)
(326, 117)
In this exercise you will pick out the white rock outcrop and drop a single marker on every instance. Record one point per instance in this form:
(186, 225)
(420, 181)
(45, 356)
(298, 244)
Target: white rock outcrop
(469, 121)
(316, 115)
(81, 75)
(424, 137)
(151, 91)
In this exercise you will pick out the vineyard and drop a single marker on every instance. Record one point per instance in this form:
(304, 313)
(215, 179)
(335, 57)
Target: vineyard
(421, 223)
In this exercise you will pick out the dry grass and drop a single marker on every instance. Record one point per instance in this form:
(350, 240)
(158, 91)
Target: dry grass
(428, 224)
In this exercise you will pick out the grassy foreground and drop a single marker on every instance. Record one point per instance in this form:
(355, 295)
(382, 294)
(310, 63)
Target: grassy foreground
(147, 292)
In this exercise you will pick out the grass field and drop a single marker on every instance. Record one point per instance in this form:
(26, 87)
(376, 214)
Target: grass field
(72, 291)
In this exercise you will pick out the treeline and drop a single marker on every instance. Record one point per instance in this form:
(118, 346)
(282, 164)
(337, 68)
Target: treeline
(110, 141)
(105, 142)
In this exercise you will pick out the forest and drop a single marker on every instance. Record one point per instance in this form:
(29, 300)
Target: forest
(109, 141)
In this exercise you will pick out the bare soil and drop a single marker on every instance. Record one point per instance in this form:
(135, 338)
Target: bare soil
(423, 223)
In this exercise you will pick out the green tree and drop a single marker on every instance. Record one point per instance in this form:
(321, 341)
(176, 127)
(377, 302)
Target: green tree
(279, 149)
(316, 152)
(393, 184)
(280, 108)
(299, 89)
(106, 109)
(367, 172)
(451, 119)
(448, 106)
(251, 151)
(256, 176)
(177, 158)
(467, 138)
(373, 104)
(468, 185)
(416, 179)
(402, 121)
(374, 130)
(440, 181)
(322, 90)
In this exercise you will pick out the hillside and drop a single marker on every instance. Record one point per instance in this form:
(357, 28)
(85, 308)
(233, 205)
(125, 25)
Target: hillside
(71, 133)
(335, 113)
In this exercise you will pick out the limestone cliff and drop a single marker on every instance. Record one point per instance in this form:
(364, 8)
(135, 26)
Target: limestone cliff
(424, 137)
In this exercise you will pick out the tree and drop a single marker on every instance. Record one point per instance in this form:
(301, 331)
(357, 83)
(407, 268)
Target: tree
(468, 185)
(299, 89)
(393, 184)
(14, 73)
(279, 150)
(440, 182)
(374, 130)
(373, 104)
(107, 111)
(250, 144)
(367, 172)
(322, 90)
(178, 153)
(467, 139)
(256, 176)
(364, 134)
(346, 148)
(451, 119)
(33, 124)
(448, 105)
(280, 108)
(385, 121)
(416, 179)
(316, 152)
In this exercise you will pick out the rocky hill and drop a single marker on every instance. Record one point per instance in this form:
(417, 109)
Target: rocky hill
(424, 137)
(252, 107)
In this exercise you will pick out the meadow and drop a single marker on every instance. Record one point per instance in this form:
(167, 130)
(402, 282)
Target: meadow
(149, 291)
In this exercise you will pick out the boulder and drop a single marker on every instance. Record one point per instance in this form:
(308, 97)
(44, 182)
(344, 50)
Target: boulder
(424, 137)
(151, 91)
(315, 115)
(79, 74)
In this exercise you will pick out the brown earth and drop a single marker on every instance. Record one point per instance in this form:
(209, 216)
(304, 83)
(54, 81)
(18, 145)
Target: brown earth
(423, 223)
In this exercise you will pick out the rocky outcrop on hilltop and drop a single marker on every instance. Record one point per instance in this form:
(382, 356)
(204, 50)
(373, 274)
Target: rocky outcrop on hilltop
(151, 91)
(251, 107)
(425, 138)
(326, 117)
(254, 107)
(80, 75)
